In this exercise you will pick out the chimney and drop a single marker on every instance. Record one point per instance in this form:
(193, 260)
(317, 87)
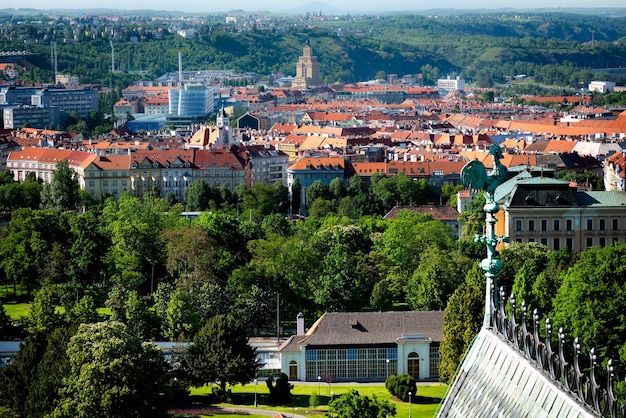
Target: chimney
(300, 324)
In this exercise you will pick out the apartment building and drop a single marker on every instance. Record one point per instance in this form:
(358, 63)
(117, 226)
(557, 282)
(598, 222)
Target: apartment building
(557, 214)
(138, 172)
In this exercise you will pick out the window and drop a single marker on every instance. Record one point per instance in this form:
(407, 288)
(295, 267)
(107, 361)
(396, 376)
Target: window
(589, 224)
(615, 224)
(105, 183)
(568, 224)
(602, 242)
(589, 242)
(602, 224)
(570, 243)
(435, 359)
(518, 225)
(544, 225)
(114, 183)
(531, 225)
(556, 244)
(557, 224)
(92, 183)
(544, 241)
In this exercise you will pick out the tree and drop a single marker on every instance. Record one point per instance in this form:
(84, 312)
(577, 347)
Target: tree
(220, 354)
(112, 374)
(589, 304)
(43, 317)
(43, 392)
(18, 376)
(320, 208)
(296, 189)
(191, 255)
(461, 322)
(342, 283)
(62, 192)
(181, 320)
(197, 196)
(138, 251)
(353, 405)
(406, 237)
(436, 277)
(317, 190)
(472, 219)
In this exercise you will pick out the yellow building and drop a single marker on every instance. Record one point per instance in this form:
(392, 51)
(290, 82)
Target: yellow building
(556, 214)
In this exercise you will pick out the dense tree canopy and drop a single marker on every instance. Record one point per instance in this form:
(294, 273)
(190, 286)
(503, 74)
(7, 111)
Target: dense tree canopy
(112, 374)
(220, 354)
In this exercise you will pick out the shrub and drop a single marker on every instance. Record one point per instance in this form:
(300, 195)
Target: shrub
(400, 386)
(281, 391)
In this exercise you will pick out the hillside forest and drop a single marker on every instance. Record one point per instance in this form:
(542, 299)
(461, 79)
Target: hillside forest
(561, 50)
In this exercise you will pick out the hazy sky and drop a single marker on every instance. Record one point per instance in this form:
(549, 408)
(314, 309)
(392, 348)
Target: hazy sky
(353, 6)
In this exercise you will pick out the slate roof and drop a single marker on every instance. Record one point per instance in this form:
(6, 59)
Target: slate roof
(542, 192)
(495, 380)
(370, 328)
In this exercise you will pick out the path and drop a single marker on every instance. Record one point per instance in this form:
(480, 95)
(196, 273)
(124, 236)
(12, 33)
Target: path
(267, 412)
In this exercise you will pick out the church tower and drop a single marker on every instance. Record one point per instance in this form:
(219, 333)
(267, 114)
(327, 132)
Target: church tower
(307, 70)
(222, 119)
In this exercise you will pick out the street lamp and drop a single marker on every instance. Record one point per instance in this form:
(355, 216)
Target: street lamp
(319, 382)
(410, 404)
(387, 367)
(332, 395)
(256, 381)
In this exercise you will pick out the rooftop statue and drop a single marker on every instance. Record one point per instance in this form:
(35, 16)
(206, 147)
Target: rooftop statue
(474, 176)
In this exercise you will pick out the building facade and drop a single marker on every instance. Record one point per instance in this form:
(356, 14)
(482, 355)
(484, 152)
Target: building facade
(556, 214)
(309, 170)
(15, 117)
(451, 84)
(365, 347)
(307, 70)
(191, 101)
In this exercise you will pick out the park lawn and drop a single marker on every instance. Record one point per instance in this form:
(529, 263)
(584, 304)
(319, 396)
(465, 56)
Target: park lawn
(424, 405)
(16, 311)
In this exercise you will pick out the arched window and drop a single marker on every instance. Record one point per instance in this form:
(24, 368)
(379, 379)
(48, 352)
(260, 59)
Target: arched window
(413, 365)
(293, 370)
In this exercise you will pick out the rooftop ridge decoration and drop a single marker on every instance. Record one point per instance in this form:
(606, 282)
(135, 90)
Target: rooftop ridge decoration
(580, 385)
(474, 176)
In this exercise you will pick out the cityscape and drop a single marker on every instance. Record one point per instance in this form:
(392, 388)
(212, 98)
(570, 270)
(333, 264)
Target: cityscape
(327, 220)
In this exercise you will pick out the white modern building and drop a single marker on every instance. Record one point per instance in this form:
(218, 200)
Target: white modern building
(602, 86)
(451, 84)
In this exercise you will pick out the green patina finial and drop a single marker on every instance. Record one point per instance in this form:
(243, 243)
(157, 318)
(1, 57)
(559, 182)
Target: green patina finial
(474, 176)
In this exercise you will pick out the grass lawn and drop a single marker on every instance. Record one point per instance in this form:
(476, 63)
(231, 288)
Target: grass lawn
(425, 404)
(16, 310)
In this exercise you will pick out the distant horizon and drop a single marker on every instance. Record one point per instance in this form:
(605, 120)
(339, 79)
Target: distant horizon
(276, 6)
